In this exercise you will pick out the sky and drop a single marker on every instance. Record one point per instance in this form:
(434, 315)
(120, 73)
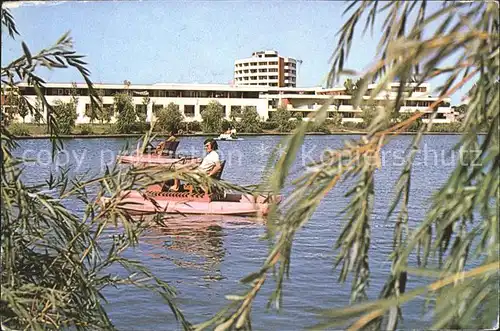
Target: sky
(148, 42)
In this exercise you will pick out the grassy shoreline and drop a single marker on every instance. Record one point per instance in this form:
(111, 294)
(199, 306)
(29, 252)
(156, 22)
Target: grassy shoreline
(33, 131)
(136, 135)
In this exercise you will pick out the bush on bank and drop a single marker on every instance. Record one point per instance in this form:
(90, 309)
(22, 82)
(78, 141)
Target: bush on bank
(30, 129)
(19, 129)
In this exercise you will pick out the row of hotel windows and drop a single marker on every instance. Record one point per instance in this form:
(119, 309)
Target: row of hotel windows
(246, 64)
(255, 77)
(189, 93)
(240, 81)
(188, 110)
(406, 103)
(255, 71)
(152, 93)
(369, 91)
(350, 114)
(271, 63)
(261, 78)
(408, 89)
(274, 103)
(291, 83)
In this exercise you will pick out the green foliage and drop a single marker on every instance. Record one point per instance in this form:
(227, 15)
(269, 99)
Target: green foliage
(462, 109)
(85, 129)
(56, 263)
(112, 129)
(282, 117)
(269, 125)
(298, 116)
(456, 42)
(334, 119)
(235, 112)
(142, 114)
(23, 109)
(368, 115)
(226, 125)
(169, 119)
(7, 115)
(126, 117)
(38, 113)
(350, 87)
(15, 105)
(19, 129)
(142, 111)
(250, 120)
(447, 127)
(353, 125)
(65, 115)
(141, 127)
(414, 126)
(193, 126)
(106, 114)
(92, 114)
(315, 127)
(212, 117)
(95, 110)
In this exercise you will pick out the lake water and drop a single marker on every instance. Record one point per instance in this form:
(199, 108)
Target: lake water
(205, 257)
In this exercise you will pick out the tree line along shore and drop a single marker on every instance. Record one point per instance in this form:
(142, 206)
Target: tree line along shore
(170, 119)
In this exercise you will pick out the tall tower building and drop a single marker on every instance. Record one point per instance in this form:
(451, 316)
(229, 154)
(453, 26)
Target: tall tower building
(266, 68)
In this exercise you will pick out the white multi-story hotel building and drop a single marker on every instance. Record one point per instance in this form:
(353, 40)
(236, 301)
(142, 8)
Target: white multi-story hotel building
(193, 98)
(266, 68)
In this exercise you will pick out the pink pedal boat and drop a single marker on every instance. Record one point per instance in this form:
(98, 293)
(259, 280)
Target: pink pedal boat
(157, 159)
(135, 202)
(165, 155)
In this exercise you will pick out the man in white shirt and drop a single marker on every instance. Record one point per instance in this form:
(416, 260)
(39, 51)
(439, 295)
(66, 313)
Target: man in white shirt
(210, 164)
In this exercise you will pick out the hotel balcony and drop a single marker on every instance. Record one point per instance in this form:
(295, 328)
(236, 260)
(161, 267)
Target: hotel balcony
(349, 108)
(352, 120)
(304, 108)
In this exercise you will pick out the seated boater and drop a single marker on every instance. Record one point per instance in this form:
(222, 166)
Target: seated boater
(210, 165)
(161, 146)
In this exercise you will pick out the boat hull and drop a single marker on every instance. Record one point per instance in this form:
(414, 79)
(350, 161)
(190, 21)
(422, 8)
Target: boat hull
(226, 139)
(156, 159)
(233, 204)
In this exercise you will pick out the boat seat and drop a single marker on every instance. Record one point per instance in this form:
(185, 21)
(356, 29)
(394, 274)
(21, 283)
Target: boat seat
(166, 148)
(214, 191)
(218, 175)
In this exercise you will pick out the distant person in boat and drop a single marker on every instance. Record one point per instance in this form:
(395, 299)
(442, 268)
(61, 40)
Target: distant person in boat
(210, 164)
(171, 137)
(161, 146)
(233, 133)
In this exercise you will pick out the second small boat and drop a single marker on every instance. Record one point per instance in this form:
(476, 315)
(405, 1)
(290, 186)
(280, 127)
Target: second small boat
(227, 136)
